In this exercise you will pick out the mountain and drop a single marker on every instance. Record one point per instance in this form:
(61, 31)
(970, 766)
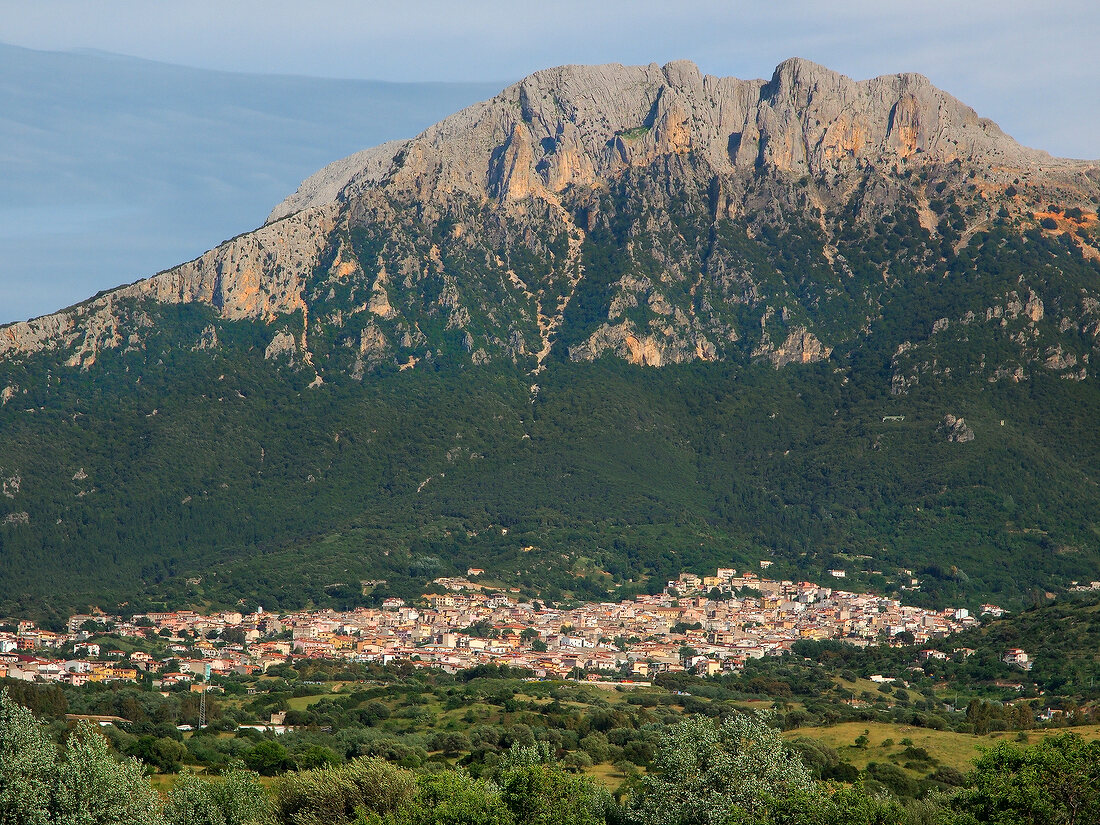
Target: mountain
(612, 323)
(115, 167)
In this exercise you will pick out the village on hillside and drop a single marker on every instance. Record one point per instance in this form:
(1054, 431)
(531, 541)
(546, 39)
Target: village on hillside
(707, 625)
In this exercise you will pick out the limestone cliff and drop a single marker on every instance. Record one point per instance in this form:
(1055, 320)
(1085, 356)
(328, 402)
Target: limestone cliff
(483, 227)
(257, 275)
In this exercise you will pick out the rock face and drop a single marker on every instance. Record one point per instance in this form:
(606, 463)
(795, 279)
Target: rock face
(957, 429)
(610, 210)
(575, 125)
(257, 275)
(283, 345)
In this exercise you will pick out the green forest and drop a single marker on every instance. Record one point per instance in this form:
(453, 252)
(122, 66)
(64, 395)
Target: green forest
(170, 475)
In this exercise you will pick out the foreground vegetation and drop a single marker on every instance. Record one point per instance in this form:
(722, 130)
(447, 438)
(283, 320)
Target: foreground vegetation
(737, 772)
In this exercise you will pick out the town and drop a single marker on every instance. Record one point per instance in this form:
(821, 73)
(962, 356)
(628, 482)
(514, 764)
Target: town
(707, 625)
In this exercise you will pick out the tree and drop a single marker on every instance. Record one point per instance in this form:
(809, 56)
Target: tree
(238, 799)
(1056, 782)
(233, 636)
(450, 743)
(455, 798)
(27, 758)
(84, 785)
(711, 774)
(93, 788)
(338, 795)
(545, 794)
(687, 653)
(316, 756)
(266, 758)
(163, 754)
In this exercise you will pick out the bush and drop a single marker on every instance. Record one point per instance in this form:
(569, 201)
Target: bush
(742, 765)
(450, 798)
(547, 795)
(267, 758)
(238, 799)
(893, 778)
(1057, 780)
(334, 796)
(91, 787)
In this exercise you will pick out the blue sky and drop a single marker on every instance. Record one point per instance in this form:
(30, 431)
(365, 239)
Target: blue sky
(1031, 66)
(113, 169)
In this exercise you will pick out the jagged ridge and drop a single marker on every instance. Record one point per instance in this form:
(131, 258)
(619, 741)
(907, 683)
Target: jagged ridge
(547, 148)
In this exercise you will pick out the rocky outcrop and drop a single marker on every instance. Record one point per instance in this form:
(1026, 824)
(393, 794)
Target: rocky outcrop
(340, 179)
(257, 275)
(10, 485)
(577, 125)
(208, 339)
(956, 429)
(282, 345)
(800, 347)
(652, 349)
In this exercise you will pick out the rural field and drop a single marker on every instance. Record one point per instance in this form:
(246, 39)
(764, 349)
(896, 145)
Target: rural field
(955, 750)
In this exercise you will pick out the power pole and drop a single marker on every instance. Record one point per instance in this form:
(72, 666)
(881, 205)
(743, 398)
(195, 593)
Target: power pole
(202, 708)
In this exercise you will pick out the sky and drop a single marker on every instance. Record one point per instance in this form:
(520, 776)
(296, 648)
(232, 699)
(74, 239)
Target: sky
(114, 168)
(110, 171)
(1031, 66)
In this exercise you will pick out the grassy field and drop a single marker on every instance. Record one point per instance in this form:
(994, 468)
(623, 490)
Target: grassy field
(303, 702)
(608, 776)
(955, 750)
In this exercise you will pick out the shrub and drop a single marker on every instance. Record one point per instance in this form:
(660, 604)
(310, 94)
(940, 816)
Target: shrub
(334, 796)
(238, 799)
(547, 795)
(740, 766)
(83, 785)
(451, 797)
(1057, 780)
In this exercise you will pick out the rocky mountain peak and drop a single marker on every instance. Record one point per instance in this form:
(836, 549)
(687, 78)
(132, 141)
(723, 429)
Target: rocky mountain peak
(580, 125)
(859, 315)
(534, 165)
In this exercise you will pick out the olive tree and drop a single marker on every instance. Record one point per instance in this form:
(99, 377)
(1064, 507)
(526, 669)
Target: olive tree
(92, 788)
(707, 773)
(27, 764)
(237, 799)
(83, 784)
